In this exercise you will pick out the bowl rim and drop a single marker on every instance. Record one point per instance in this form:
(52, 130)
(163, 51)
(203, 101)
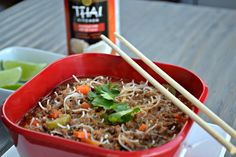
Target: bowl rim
(162, 148)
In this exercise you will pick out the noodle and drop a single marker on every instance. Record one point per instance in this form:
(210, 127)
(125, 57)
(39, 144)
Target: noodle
(41, 106)
(83, 116)
(122, 144)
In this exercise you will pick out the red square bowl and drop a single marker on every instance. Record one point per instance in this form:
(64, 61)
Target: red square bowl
(30, 143)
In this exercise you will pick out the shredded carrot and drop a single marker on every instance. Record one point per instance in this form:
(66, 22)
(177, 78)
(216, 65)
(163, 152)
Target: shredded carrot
(184, 119)
(180, 118)
(54, 114)
(80, 134)
(84, 89)
(82, 137)
(88, 141)
(176, 115)
(142, 127)
(85, 105)
(35, 123)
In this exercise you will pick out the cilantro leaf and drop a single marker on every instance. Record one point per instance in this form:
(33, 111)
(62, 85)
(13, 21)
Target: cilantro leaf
(120, 106)
(122, 116)
(101, 102)
(92, 95)
(104, 96)
(107, 91)
(107, 96)
(98, 89)
(127, 118)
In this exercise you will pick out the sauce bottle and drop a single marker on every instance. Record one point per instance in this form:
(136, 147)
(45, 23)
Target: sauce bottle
(86, 20)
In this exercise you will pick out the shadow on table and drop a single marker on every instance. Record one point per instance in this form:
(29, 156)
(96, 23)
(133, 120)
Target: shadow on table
(5, 139)
(6, 142)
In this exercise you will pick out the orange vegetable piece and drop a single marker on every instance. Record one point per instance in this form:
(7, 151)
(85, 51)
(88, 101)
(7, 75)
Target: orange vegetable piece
(180, 118)
(142, 127)
(85, 105)
(54, 114)
(84, 89)
(177, 116)
(35, 123)
(88, 141)
(80, 134)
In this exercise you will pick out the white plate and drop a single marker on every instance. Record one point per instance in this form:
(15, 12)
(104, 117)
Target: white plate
(25, 54)
(198, 143)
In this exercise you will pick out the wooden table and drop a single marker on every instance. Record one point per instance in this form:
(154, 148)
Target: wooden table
(201, 39)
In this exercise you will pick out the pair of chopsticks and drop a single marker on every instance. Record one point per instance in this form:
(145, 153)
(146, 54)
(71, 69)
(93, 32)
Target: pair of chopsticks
(212, 116)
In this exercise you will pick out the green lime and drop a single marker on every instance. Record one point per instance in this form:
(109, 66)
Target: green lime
(12, 87)
(28, 69)
(1, 65)
(11, 76)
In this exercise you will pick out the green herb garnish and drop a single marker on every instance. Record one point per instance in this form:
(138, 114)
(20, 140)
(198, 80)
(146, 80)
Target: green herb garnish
(108, 91)
(120, 106)
(123, 116)
(104, 97)
(101, 102)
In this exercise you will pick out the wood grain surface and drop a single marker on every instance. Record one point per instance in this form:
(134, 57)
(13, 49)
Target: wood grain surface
(201, 39)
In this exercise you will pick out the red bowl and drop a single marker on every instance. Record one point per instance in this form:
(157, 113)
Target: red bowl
(30, 143)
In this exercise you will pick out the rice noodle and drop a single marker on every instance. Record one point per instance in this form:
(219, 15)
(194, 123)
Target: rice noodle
(55, 132)
(76, 79)
(130, 140)
(61, 126)
(122, 144)
(130, 132)
(78, 102)
(73, 95)
(72, 91)
(149, 129)
(122, 128)
(156, 114)
(56, 94)
(147, 89)
(85, 133)
(41, 106)
(95, 81)
(101, 139)
(105, 142)
(83, 114)
(57, 103)
(143, 111)
(48, 100)
(153, 103)
(81, 109)
(82, 125)
(106, 136)
(31, 122)
(173, 127)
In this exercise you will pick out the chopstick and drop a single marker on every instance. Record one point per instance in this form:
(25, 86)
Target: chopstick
(211, 115)
(230, 147)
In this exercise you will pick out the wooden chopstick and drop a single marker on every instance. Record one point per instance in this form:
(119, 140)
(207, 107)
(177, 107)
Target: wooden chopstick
(230, 147)
(211, 115)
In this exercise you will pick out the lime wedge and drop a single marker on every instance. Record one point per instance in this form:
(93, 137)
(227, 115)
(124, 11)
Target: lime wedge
(11, 76)
(28, 69)
(12, 87)
(1, 65)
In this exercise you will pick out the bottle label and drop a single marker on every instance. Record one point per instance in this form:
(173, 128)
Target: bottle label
(88, 20)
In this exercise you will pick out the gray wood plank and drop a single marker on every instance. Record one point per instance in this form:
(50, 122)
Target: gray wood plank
(201, 39)
(42, 24)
